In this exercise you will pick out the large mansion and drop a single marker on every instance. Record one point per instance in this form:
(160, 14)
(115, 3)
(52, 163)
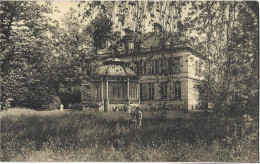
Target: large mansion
(146, 73)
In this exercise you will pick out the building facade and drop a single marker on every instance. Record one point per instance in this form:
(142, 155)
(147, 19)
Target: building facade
(167, 74)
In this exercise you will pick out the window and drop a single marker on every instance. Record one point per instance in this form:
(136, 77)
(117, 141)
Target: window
(164, 66)
(170, 65)
(139, 70)
(164, 91)
(118, 91)
(144, 68)
(163, 45)
(141, 92)
(177, 90)
(150, 91)
(198, 68)
(126, 48)
(114, 91)
(151, 68)
(88, 71)
(176, 64)
(157, 66)
(199, 95)
(146, 91)
(138, 48)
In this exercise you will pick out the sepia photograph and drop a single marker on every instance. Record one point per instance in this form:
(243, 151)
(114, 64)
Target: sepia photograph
(129, 81)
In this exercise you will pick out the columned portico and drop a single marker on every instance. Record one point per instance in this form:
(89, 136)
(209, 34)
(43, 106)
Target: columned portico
(114, 84)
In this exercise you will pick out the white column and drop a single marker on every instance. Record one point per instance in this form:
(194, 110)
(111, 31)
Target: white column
(102, 88)
(102, 94)
(127, 94)
(138, 93)
(107, 97)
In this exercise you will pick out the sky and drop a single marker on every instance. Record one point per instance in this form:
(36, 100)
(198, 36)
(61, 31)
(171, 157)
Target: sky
(63, 7)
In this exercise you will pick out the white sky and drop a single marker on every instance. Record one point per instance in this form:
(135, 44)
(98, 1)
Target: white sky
(63, 7)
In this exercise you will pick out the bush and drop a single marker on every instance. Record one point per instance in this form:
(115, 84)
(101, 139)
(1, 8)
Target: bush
(76, 106)
(55, 103)
(160, 115)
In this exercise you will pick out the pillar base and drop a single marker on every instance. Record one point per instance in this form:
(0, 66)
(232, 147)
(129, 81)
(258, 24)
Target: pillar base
(101, 107)
(128, 102)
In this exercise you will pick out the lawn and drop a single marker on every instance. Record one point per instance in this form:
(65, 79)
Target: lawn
(28, 135)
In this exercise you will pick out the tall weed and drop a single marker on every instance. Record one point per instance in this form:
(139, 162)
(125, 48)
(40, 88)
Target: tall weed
(92, 136)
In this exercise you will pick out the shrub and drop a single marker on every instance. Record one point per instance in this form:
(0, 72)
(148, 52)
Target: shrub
(160, 115)
(55, 103)
(76, 106)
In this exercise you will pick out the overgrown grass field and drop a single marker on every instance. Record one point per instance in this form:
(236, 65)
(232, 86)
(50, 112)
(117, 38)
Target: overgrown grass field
(28, 135)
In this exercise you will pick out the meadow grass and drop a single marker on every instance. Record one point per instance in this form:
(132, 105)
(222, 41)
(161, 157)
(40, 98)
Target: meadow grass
(28, 135)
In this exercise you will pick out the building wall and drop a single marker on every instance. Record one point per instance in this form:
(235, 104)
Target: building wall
(193, 102)
(194, 75)
(193, 62)
(156, 79)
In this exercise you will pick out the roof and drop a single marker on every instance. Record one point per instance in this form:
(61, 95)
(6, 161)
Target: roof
(147, 51)
(113, 59)
(114, 67)
(114, 70)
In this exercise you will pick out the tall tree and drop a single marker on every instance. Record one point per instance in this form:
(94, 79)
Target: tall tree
(72, 52)
(230, 51)
(99, 29)
(24, 45)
